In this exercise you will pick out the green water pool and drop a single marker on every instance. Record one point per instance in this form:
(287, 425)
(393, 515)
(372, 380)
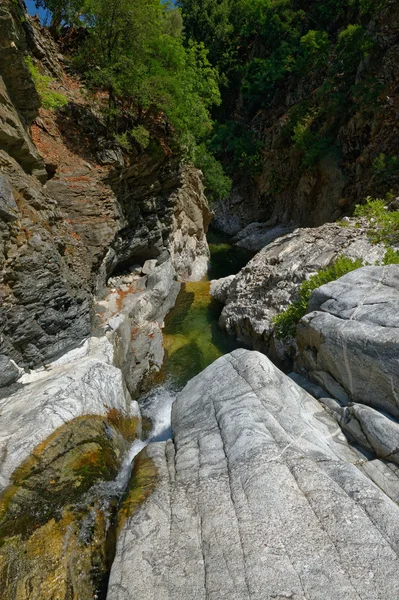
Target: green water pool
(192, 338)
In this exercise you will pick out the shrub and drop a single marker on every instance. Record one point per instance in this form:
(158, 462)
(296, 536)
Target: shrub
(311, 143)
(50, 99)
(286, 322)
(391, 257)
(314, 51)
(217, 184)
(383, 224)
(240, 145)
(386, 167)
(141, 135)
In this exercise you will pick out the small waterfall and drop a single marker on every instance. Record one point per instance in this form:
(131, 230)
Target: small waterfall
(157, 407)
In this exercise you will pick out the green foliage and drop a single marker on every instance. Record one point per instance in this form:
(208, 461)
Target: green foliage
(50, 99)
(268, 48)
(310, 142)
(123, 140)
(314, 52)
(368, 8)
(135, 52)
(210, 22)
(141, 135)
(383, 223)
(354, 44)
(217, 184)
(239, 144)
(285, 323)
(386, 167)
(391, 257)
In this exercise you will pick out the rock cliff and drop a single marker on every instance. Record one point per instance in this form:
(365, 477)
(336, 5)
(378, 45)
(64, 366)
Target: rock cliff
(359, 129)
(93, 241)
(65, 229)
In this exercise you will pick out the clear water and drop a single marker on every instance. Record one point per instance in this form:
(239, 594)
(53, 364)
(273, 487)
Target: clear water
(192, 337)
(192, 341)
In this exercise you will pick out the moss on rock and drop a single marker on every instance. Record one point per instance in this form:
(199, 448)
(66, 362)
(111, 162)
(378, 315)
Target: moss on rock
(54, 528)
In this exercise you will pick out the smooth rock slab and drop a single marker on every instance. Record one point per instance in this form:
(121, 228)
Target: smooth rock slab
(259, 497)
(349, 342)
(87, 384)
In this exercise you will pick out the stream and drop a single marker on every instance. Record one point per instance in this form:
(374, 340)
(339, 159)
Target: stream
(192, 341)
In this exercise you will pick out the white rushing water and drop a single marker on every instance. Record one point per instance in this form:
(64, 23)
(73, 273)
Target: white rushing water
(157, 407)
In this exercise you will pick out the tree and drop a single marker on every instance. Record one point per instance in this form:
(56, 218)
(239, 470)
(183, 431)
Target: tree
(62, 11)
(135, 51)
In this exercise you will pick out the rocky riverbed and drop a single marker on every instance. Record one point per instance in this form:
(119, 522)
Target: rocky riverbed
(144, 453)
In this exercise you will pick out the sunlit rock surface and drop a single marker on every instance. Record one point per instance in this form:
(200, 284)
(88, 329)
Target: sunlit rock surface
(259, 496)
(270, 281)
(83, 382)
(349, 341)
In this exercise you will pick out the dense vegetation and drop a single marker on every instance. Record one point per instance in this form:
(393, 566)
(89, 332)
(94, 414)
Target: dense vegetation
(161, 61)
(145, 74)
(266, 50)
(383, 224)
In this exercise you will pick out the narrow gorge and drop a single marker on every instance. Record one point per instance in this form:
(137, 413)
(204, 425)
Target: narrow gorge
(199, 300)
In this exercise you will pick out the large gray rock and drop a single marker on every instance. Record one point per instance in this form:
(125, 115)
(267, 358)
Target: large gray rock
(82, 382)
(259, 496)
(270, 281)
(349, 342)
(9, 371)
(256, 236)
(372, 430)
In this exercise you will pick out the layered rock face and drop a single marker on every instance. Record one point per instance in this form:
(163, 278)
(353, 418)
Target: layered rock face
(65, 431)
(132, 316)
(92, 243)
(60, 242)
(258, 496)
(19, 100)
(166, 215)
(270, 281)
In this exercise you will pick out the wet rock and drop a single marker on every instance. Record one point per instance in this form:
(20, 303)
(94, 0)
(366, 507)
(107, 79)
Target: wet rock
(270, 281)
(258, 496)
(220, 288)
(132, 317)
(348, 343)
(55, 516)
